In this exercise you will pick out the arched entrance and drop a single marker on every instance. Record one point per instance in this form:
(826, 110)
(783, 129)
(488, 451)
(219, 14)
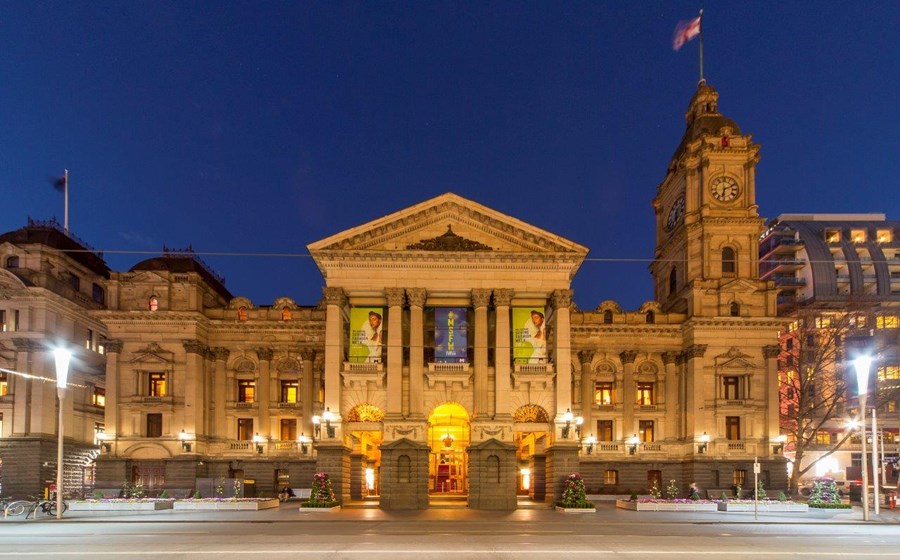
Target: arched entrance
(532, 433)
(364, 423)
(448, 438)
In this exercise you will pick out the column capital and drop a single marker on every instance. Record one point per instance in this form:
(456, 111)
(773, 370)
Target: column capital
(695, 351)
(628, 356)
(395, 296)
(481, 297)
(416, 296)
(771, 351)
(585, 357)
(220, 353)
(265, 354)
(334, 296)
(113, 346)
(193, 346)
(562, 299)
(503, 297)
(308, 354)
(669, 357)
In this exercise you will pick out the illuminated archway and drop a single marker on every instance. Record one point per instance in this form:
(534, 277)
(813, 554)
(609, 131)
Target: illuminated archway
(448, 436)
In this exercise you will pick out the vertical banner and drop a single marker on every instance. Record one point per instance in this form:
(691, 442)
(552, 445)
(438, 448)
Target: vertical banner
(365, 334)
(450, 335)
(529, 334)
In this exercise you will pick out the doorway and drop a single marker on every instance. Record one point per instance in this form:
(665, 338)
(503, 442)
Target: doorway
(448, 438)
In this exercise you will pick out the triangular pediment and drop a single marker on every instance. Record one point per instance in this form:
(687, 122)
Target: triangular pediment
(404, 444)
(447, 223)
(153, 353)
(492, 445)
(740, 285)
(734, 359)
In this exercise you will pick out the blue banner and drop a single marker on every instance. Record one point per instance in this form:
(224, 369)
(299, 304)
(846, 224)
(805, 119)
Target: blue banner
(450, 334)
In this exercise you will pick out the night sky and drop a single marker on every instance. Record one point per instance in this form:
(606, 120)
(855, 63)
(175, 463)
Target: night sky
(256, 128)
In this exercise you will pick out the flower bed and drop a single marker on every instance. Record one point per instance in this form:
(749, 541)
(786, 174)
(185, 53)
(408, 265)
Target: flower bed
(122, 504)
(227, 503)
(668, 505)
(763, 505)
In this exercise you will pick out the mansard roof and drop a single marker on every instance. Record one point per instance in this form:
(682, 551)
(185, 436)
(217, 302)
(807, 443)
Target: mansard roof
(50, 234)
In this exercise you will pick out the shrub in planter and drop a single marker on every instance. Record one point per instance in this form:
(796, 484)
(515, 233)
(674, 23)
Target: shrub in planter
(574, 495)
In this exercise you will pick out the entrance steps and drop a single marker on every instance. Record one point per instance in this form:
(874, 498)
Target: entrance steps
(448, 501)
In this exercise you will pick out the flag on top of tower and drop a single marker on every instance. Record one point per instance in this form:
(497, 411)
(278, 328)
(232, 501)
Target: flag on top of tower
(59, 183)
(685, 31)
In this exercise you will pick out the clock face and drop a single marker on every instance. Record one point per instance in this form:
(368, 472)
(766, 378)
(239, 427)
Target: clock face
(676, 212)
(724, 189)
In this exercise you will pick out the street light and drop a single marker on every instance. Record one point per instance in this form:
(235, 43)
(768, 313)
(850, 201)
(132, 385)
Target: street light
(589, 443)
(862, 364)
(62, 357)
(567, 418)
(328, 417)
(778, 447)
(317, 426)
(579, 421)
(632, 443)
(185, 444)
(259, 440)
(704, 443)
(303, 441)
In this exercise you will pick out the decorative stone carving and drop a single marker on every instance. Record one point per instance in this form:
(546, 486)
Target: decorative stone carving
(771, 351)
(395, 296)
(265, 354)
(648, 368)
(113, 346)
(562, 299)
(288, 365)
(695, 351)
(416, 297)
(481, 297)
(585, 357)
(244, 365)
(28, 345)
(669, 357)
(334, 296)
(193, 346)
(503, 297)
(220, 353)
(628, 356)
(308, 354)
(448, 241)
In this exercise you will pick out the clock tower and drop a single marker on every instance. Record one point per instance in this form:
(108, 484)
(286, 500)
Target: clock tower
(707, 224)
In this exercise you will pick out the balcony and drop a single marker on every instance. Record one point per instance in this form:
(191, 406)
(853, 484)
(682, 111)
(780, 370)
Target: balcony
(448, 374)
(359, 375)
(290, 405)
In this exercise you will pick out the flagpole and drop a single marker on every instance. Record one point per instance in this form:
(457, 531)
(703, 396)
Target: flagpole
(66, 194)
(701, 47)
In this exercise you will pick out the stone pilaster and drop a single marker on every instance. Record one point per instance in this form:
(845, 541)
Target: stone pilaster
(562, 350)
(262, 391)
(111, 410)
(771, 392)
(694, 391)
(334, 345)
(22, 387)
(585, 357)
(480, 300)
(502, 301)
(220, 383)
(673, 400)
(307, 386)
(395, 300)
(192, 421)
(416, 298)
(629, 395)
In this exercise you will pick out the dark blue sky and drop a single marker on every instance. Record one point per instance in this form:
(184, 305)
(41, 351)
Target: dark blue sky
(259, 127)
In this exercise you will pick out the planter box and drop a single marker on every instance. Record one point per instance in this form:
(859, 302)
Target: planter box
(312, 509)
(576, 510)
(227, 505)
(120, 506)
(667, 506)
(764, 506)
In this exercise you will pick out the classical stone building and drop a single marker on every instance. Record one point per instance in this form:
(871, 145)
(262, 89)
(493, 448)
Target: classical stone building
(447, 359)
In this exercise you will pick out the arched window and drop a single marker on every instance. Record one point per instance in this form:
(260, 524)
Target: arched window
(153, 303)
(242, 313)
(735, 310)
(12, 262)
(673, 281)
(98, 294)
(651, 317)
(729, 262)
(607, 317)
(286, 314)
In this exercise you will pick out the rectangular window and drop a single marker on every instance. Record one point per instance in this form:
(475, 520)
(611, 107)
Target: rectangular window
(3, 320)
(75, 282)
(739, 477)
(157, 384)
(646, 430)
(823, 437)
(98, 397)
(611, 477)
(888, 372)
(732, 387)
(604, 430)
(832, 236)
(289, 391)
(246, 391)
(288, 429)
(883, 235)
(881, 322)
(89, 339)
(733, 427)
(15, 321)
(99, 430)
(644, 393)
(4, 384)
(603, 393)
(245, 429)
(858, 235)
(154, 425)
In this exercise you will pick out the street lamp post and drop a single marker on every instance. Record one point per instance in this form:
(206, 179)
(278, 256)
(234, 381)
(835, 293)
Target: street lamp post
(862, 365)
(62, 357)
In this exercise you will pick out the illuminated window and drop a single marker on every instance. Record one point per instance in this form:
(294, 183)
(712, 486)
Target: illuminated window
(739, 477)
(604, 430)
(157, 384)
(731, 385)
(892, 406)
(611, 477)
(733, 427)
(603, 393)
(99, 432)
(288, 429)
(823, 437)
(887, 322)
(644, 393)
(729, 262)
(289, 391)
(645, 430)
(858, 235)
(4, 384)
(153, 303)
(246, 390)
(832, 236)
(89, 339)
(883, 235)
(98, 397)
(245, 429)
(286, 313)
(888, 372)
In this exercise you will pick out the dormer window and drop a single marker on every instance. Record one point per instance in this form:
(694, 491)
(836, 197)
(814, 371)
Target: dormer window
(242, 313)
(153, 303)
(607, 317)
(832, 236)
(286, 314)
(12, 262)
(651, 317)
(735, 309)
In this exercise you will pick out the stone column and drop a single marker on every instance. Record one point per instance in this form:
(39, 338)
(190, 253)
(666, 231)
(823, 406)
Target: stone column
(480, 300)
(262, 392)
(111, 410)
(40, 412)
(416, 298)
(334, 346)
(629, 394)
(220, 382)
(562, 351)
(771, 392)
(307, 388)
(502, 300)
(193, 388)
(587, 392)
(395, 299)
(693, 397)
(21, 387)
(672, 402)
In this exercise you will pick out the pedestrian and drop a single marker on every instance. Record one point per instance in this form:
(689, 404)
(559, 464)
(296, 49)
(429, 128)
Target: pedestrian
(694, 491)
